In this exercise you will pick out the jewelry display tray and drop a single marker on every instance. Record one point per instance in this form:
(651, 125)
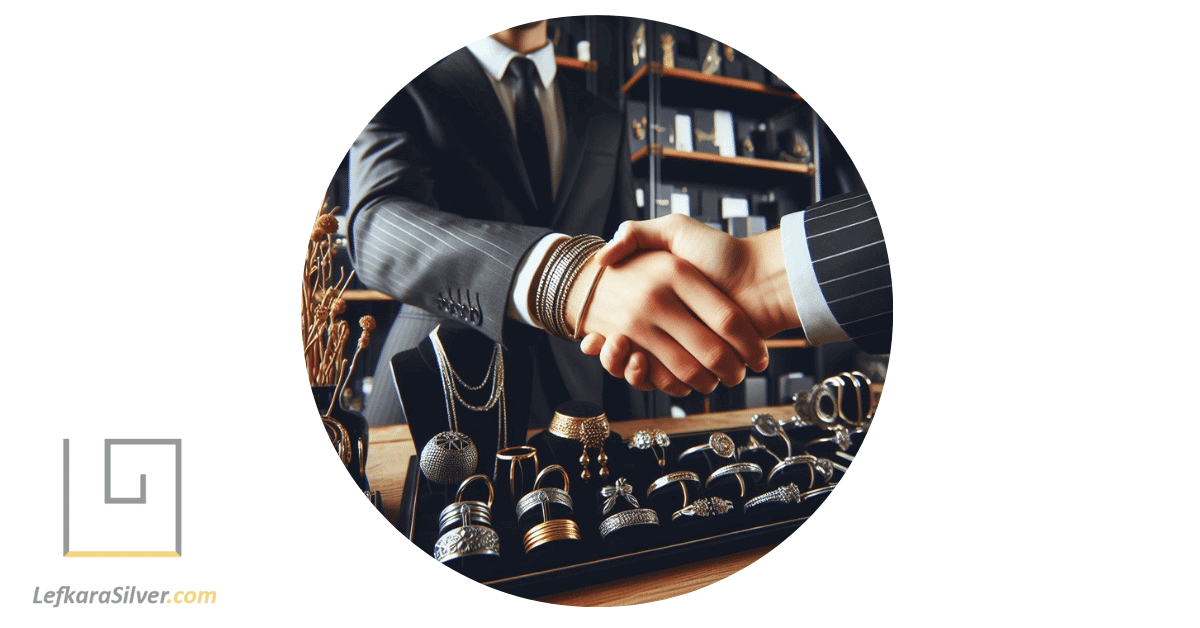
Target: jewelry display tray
(592, 560)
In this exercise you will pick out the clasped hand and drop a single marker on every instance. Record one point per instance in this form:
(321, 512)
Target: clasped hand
(682, 306)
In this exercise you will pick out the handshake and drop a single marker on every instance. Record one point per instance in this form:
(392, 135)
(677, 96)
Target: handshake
(681, 306)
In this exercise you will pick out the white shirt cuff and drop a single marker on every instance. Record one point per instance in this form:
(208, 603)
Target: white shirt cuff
(518, 300)
(816, 319)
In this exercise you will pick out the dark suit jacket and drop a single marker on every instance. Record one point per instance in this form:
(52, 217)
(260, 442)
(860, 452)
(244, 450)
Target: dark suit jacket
(850, 261)
(441, 214)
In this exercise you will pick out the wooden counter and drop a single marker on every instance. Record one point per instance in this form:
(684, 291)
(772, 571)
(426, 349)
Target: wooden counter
(387, 464)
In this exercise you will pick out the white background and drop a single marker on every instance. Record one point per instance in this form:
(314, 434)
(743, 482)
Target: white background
(1031, 459)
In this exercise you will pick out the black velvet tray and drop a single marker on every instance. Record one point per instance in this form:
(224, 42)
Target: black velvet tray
(566, 565)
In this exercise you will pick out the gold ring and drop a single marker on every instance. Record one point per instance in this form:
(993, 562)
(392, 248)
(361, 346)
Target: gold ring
(477, 477)
(514, 455)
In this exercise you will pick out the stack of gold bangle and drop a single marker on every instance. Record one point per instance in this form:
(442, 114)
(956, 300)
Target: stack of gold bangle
(559, 275)
(549, 531)
(591, 429)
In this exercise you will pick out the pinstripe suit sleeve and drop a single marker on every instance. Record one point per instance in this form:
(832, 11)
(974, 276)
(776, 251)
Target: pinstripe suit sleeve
(403, 244)
(838, 268)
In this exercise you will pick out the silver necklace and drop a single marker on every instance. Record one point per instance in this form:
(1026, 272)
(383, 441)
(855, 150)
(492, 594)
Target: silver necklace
(454, 396)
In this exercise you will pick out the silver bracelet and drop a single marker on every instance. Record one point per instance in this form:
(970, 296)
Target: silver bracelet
(628, 518)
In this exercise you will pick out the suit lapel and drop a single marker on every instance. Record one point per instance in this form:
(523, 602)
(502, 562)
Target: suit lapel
(497, 146)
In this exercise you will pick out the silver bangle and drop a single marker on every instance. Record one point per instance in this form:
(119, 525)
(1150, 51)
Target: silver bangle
(736, 470)
(789, 494)
(718, 442)
(546, 497)
(467, 541)
(628, 518)
(464, 513)
(704, 507)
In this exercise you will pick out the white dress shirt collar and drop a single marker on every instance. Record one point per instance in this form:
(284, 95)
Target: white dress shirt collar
(494, 57)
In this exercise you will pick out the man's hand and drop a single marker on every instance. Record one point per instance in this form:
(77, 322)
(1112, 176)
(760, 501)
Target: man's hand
(750, 271)
(693, 335)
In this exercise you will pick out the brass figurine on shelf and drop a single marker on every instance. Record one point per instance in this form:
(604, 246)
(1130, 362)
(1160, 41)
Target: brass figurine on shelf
(667, 40)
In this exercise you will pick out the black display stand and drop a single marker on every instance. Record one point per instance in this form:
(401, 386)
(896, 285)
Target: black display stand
(419, 383)
(571, 564)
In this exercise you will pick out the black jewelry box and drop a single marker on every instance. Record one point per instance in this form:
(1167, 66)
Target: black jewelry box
(593, 559)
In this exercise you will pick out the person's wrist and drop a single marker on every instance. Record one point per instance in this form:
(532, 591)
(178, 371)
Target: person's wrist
(765, 293)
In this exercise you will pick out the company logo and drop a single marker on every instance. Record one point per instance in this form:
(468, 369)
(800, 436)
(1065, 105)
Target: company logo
(124, 517)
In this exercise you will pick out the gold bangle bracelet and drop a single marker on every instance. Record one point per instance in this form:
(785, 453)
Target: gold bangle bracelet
(587, 302)
(550, 531)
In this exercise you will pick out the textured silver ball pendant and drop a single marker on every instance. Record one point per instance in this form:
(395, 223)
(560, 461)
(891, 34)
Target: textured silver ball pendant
(449, 458)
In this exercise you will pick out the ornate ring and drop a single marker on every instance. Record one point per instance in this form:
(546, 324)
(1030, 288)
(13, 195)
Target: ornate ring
(790, 494)
(449, 457)
(683, 478)
(648, 439)
(718, 442)
(513, 456)
(549, 531)
(704, 507)
(815, 465)
(736, 470)
(628, 518)
(622, 488)
(467, 541)
(766, 425)
(840, 440)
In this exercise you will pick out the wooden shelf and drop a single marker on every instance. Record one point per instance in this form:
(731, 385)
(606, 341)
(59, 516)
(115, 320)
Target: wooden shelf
(689, 88)
(575, 64)
(697, 167)
(744, 162)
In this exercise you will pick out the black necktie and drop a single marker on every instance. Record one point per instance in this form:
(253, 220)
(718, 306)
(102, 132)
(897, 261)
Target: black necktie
(531, 134)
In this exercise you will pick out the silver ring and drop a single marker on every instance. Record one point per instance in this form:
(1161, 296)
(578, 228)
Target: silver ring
(454, 514)
(449, 457)
(628, 518)
(467, 541)
(815, 465)
(766, 425)
(736, 469)
(622, 488)
(683, 478)
(754, 445)
(649, 439)
(789, 494)
(841, 439)
(718, 442)
(543, 498)
(704, 507)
